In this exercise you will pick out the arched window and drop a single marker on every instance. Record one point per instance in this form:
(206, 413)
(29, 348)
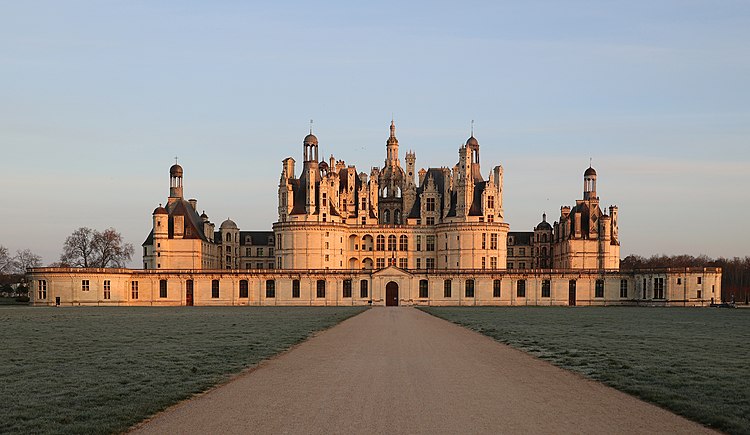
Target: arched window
(391, 242)
(544, 251)
(397, 217)
(387, 217)
(403, 243)
(229, 237)
(380, 243)
(544, 237)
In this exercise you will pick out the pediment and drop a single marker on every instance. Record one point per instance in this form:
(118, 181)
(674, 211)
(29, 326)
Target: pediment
(391, 271)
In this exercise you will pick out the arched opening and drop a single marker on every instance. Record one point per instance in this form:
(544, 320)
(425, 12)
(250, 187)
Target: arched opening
(353, 263)
(367, 242)
(391, 294)
(387, 217)
(354, 243)
(367, 263)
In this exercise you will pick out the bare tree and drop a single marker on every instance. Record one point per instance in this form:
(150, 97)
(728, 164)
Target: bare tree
(91, 248)
(109, 249)
(26, 259)
(6, 261)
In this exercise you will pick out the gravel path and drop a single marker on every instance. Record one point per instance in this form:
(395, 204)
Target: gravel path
(399, 370)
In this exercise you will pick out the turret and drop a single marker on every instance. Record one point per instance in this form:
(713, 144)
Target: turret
(589, 184)
(175, 182)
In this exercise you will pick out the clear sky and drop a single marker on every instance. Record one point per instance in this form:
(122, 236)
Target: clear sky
(96, 98)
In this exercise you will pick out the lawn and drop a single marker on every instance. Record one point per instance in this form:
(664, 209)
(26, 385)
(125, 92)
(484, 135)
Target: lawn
(693, 361)
(101, 370)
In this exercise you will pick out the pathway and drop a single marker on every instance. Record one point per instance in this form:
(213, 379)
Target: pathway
(399, 370)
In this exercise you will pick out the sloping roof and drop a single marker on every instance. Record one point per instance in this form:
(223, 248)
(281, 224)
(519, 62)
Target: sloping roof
(193, 223)
(476, 204)
(439, 180)
(521, 237)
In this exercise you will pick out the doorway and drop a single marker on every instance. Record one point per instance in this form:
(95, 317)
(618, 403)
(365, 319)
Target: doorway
(572, 292)
(391, 294)
(189, 293)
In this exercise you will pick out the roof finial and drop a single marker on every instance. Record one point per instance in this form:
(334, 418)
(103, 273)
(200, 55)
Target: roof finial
(311, 123)
(175, 160)
(590, 160)
(472, 128)
(393, 127)
(544, 217)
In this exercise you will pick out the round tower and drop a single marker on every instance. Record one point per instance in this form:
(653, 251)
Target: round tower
(589, 184)
(175, 181)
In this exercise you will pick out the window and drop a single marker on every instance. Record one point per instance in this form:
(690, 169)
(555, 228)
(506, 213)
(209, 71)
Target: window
(270, 288)
(248, 252)
(430, 220)
(484, 240)
(278, 242)
(387, 217)
(243, 288)
(380, 243)
(659, 288)
(699, 294)
(321, 288)
(496, 288)
(215, 288)
(85, 285)
(347, 292)
(391, 242)
(380, 263)
(295, 288)
(419, 243)
(510, 252)
(522, 265)
(430, 243)
(490, 218)
(484, 262)
(403, 243)
(699, 280)
(270, 252)
(42, 289)
(259, 265)
(419, 263)
(493, 262)
(363, 288)
(510, 265)
(679, 281)
(423, 288)
(402, 263)
(162, 288)
(447, 288)
(623, 288)
(469, 288)
(490, 202)
(134, 289)
(545, 288)
(599, 289)
(260, 252)
(430, 263)
(430, 204)
(521, 252)
(521, 288)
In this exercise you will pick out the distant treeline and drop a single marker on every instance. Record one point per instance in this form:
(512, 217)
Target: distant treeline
(735, 272)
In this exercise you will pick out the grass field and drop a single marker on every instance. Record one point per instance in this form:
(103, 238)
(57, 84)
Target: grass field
(100, 370)
(695, 362)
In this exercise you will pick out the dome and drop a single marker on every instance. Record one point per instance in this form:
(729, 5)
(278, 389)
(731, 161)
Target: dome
(472, 141)
(175, 171)
(204, 217)
(160, 210)
(310, 139)
(228, 225)
(544, 225)
(589, 171)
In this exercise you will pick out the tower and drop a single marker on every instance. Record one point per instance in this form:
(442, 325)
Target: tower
(589, 184)
(175, 183)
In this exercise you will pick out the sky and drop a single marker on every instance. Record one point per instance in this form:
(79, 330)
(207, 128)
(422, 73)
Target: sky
(98, 97)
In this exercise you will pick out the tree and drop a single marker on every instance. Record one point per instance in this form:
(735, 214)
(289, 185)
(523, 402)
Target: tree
(91, 248)
(6, 261)
(25, 259)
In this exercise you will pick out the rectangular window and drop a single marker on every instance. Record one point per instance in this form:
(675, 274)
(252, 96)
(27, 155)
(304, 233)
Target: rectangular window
(295, 288)
(215, 288)
(402, 263)
(419, 263)
(484, 262)
(522, 265)
(490, 201)
(244, 288)
(430, 204)
(546, 288)
(162, 288)
(521, 252)
(107, 289)
(270, 288)
(699, 280)
(321, 288)
(493, 241)
(469, 288)
(260, 252)
(347, 292)
(419, 243)
(510, 265)
(599, 289)
(430, 243)
(248, 252)
(521, 288)
(430, 220)
(699, 294)
(134, 289)
(623, 288)
(484, 240)
(391, 262)
(679, 281)
(658, 288)
(493, 262)
(430, 263)
(363, 288)
(510, 252)
(380, 263)
(85, 285)
(447, 288)
(42, 289)
(496, 288)
(423, 288)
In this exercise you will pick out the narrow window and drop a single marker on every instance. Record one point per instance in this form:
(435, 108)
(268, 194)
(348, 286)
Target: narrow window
(419, 243)
(521, 288)
(658, 288)
(403, 243)
(699, 280)
(430, 243)
(419, 263)
(423, 288)
(215, 288)
(496, 288)
(321, 288)
(484, 262)
(484, 240)
(244, 288)
(430, 204)
(447, 288)
(493, 262)
(162, 288)
(679, 281)
(391, 242)
(134, 289)
(270, 288)
(363, 288)
(546, 288)
(380, 243)
(623, 288)
(347, 291)
(599, 289)
(469, 288)
(295, 288)
(42, 289)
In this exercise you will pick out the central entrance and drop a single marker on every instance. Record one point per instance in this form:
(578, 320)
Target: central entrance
(391, 294)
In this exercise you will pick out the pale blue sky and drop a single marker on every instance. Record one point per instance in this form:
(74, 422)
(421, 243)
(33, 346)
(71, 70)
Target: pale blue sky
(97, 97)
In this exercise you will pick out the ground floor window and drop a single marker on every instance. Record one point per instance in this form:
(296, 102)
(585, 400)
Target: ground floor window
(134, 289)
(599, 289)
(521, 288)
(496, 288)
(447, 288)
(658, 288)
(430, 263)
(215, 288)
(469, 288)
(347, 291)
(107, 289)
(162, 288)
(363, 289)
(41, 289)
(243, 288)
(85, 285)
(424, 288)
(546, 288)
(270, 288)
(321, 288)
(623, 288)
(295, 288)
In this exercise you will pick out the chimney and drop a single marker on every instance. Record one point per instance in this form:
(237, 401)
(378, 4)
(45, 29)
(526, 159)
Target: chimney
(194, 203)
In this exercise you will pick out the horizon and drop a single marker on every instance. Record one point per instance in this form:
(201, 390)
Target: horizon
(99, 98)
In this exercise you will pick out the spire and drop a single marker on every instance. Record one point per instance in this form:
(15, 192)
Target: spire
(393, 128)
